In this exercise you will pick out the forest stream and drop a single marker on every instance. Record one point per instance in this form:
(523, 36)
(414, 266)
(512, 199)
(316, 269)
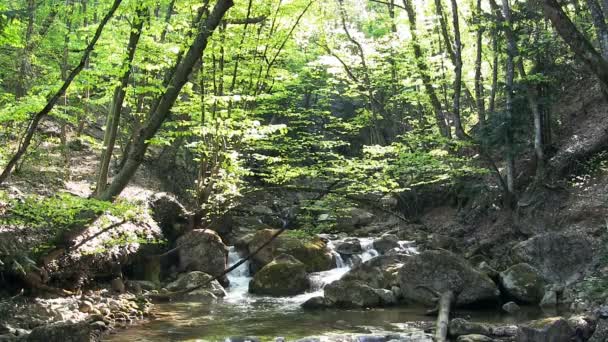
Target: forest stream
(241, 316)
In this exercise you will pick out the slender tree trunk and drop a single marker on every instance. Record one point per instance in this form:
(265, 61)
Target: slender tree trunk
(479, 93)
(31, 129)
(424, 72)
(601, 29)
(65, 67)
(25, 66)
(162, 111)
(457, 71)
(509, 76)
(494, 89)
(577, 41)
(113, 118)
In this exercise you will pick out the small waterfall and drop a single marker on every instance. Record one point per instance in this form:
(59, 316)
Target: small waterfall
(238, 293)
(239, 278)
(367, 245)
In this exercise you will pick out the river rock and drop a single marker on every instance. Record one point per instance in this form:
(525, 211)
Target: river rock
(601, 331)
(523, 283)
(349, 246)
(66, 332)
(313, 252)
(442, 271)
(203, 250)
(460, 326)
(474, 338)
(194, 279)
(584, 326)
(351, 293)
(553, 329)
(313, 303)
(511, 307)
(284, 276)
(352, 219)
(549, 299)
(381, 272)
(560, 257)
(386, 243)
(170, 215)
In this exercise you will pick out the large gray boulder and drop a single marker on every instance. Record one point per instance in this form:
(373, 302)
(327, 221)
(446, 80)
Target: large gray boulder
(553, 329)
(353, 293)
(523, 283)
(441, 271)
(284, 276)
(561, 257)
(203, 250)
(381, 272)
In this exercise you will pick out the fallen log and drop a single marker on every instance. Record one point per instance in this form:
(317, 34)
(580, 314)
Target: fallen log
(443, 319)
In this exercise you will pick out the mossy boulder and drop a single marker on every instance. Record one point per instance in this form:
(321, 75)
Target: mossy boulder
(283, 276)
(311, 251)
(523, 283)
(552, 329)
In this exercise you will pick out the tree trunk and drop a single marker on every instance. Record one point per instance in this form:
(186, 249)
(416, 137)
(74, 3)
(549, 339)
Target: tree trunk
(601, 29)
(457, 71)
(423, 69)
(161, 112)
(505, 19)
(577, 41)
(113, 117)
(494, 89)
(479, 93)
(31, 129)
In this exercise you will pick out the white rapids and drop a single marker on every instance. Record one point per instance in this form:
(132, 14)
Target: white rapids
(238, 291)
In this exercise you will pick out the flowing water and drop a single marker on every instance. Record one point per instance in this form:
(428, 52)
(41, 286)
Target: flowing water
(243, 314)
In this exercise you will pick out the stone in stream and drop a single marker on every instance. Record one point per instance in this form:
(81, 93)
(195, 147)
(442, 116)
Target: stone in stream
(313, 303)
(284, 276)
(203, 250)
(553, 329)
(474, 338)
(351, 293)
(381, 272)
(511, 307)
(441, 271)
(386, 243)
(523, 283)
(459, 326)
(349, 246)
(313, 252)
(194, 279)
